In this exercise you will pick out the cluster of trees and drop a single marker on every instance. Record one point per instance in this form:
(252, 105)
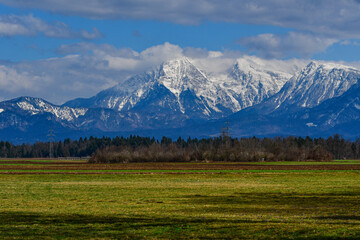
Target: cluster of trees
(145, 149)
(232, 149)
(83, 147)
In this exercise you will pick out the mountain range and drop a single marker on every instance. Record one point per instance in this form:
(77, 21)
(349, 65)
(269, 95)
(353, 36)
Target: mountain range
(178, 98)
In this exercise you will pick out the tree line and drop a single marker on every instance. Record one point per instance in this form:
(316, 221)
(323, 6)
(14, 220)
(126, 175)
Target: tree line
(224, 148)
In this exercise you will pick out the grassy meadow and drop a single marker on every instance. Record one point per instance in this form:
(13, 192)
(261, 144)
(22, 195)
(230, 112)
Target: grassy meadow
(195, 204)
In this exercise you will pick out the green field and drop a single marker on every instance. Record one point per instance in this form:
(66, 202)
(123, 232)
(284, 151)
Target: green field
(264, 204)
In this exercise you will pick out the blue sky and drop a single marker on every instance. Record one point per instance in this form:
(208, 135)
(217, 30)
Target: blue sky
(74, 48)
(128, 33)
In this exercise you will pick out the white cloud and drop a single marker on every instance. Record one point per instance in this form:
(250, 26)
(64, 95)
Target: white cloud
(121, 63)
(279, 46)
(332, 18)
(28, 25)
(11, 29)
(349, 42)
(346, 42)
(13, 81)
(124, 58)
(87, 68)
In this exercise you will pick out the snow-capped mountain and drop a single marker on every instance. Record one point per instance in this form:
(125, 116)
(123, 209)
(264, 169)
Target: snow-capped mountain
(179, 87)
(251, 79)
(175, 87)
(316, 83)
(34, 106)
(258, 97)
(338, 115)
(320, 100)
(22, 111)
(344, 109)
(27, 119)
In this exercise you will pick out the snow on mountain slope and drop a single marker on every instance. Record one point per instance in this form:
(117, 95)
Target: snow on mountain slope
(252, 79)
(35, 106)
(214, 95)
(334, 111)
(321, 100)
(315, 84)
(179, 77)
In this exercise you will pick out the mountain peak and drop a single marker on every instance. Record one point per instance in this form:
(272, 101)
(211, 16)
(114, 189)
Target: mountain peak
(182, 60)
(177, 63)
(313, 64)
(327, 66)
(316, 83)
(180, 74)
(29, 100)
(34, 106)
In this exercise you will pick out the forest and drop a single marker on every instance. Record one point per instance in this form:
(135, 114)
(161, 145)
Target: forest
(223, 148)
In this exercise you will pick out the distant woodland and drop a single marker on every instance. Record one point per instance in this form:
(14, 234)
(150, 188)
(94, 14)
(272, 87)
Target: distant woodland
(146, 149)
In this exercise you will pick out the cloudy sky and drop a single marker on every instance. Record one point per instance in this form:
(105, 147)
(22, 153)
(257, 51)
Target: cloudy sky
(59, 50)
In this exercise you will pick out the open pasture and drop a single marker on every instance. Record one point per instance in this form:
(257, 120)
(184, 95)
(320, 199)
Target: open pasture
(73, 199)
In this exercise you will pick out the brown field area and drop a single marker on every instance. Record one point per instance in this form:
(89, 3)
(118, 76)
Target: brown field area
(62, 166)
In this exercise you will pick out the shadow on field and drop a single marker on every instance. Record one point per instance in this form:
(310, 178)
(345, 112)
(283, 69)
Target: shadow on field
(264, 199)
(341, 217)
(20, 225)
(24, 225)
(19, 218)
(279, 204)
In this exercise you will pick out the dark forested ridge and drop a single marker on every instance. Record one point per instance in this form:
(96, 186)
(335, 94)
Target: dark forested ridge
(146, 149)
